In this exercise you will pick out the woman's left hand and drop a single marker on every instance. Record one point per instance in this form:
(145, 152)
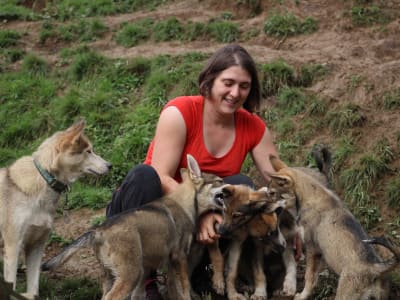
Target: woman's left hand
(206, 231)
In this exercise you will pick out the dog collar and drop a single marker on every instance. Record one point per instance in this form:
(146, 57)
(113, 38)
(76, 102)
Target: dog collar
(55, 184)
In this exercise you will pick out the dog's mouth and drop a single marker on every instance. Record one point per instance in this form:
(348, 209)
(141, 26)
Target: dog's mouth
(91, 171)
(219, 199)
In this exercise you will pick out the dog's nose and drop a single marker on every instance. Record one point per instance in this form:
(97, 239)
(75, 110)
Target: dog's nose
(278, 210)
(109, 166)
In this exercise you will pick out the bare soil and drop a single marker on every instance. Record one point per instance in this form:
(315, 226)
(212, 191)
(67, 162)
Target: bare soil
(371, 53)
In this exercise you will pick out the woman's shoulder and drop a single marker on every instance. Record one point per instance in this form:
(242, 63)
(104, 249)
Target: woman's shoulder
(183, 101)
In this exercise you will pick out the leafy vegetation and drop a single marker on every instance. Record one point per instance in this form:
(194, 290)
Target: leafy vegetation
(289, 25)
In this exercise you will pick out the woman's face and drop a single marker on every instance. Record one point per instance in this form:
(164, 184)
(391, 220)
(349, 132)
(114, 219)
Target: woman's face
(230, 89)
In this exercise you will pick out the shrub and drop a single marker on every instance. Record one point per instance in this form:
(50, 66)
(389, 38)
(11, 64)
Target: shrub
(87, 64)
(292, 100)
(35, 65)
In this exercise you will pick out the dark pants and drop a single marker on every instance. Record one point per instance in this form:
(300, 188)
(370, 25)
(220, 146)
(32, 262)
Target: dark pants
(142, 185)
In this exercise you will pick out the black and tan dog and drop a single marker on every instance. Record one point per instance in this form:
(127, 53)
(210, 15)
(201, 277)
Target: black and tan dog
(247, 213)
(333, 235)
(130, 245)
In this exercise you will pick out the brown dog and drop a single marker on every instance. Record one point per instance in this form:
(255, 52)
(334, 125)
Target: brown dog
(332, 234)
(247, 213)
(159, 234)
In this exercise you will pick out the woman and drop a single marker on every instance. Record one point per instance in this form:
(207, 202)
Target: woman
(218, 127)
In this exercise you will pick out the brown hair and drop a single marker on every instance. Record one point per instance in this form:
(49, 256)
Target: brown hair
(224, 58)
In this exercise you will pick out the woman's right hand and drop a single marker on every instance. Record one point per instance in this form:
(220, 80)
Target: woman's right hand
(206, 233)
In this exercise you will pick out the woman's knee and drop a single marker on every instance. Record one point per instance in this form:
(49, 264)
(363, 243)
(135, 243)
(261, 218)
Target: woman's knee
(239, 179)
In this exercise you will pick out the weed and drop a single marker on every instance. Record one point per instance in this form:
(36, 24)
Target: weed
(345, 117)
(368, 15)
(194, 31)
(316, 107)
(35, 65)
(10, 10)
(55, 238)
(287, 151)
(368, 216)
(309, 73)
(133, 33)
(289, 25)
(167, 30)
(284, 126)
(13, 55)
(91, 196)
(9, 38)
(274, 75)
(98, 220)
(344, 149)
(292, 100)
(82, 31)
(87, 64)
(223, 31)
(392, 191)
(391, 99)
(355, 82)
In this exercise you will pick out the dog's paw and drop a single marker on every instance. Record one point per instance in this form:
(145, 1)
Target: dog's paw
(28, 296)
(289, 288)
(219, 286)
(299, 296)
(258, 297)
(236, 296)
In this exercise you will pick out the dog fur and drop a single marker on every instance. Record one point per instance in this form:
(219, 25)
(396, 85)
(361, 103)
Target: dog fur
(332, 235)
(131, 244)
(28, 203)
(247, 213)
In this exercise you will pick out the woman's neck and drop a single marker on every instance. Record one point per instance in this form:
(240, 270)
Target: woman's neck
(212, 117)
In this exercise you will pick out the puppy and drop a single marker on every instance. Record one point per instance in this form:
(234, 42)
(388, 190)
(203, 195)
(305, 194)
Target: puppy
(333, 235)
(132, 244)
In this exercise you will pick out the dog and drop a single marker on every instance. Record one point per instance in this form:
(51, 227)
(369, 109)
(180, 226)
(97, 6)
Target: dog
(157, 235)
(333, 235)
(247, 213)
(29, 192)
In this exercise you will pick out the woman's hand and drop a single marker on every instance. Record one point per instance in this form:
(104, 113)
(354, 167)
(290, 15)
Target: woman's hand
(206, 229)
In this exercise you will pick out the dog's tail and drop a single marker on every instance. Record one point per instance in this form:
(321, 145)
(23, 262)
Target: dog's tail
(323, 158)
(388, 265)
(83, 241)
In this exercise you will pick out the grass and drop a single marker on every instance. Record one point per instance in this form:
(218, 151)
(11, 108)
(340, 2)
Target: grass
(289, 25)
(368, 15)
(121, 99)
(345, 117)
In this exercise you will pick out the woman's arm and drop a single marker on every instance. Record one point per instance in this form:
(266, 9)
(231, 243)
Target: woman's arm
(261, 153)
(169, 141)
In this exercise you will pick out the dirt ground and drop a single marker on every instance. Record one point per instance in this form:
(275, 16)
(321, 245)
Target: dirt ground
(371, 53)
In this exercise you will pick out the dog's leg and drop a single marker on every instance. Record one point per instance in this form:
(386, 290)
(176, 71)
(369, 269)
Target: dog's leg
(351, 286)
(217, 262)
(290, 281)
(107, 281)
(260, 282)
(313, 264)
(34, 256)
(121, 289)
(12, 248)
(233, 262)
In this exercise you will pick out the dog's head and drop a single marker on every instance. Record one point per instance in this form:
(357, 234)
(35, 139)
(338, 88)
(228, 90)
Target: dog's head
(282, 184)
(69, 154)
(205, 185)
(242, 204)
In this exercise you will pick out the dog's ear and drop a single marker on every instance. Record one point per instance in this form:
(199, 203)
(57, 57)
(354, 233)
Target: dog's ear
(77, 127)
(194, 168)
(283, 181)
(276, 163)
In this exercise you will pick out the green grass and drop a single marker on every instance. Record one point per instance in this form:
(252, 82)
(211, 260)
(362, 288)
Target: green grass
(131, 34)
(291, 100)
(345, 117)
(391, 99)
(289, 25)
(368, 15)
(275, 75)
(9, 38)
(392, 190)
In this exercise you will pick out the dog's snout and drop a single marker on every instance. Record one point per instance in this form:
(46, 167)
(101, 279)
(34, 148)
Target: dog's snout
(219, 199)
(109, 166)
(279, 210)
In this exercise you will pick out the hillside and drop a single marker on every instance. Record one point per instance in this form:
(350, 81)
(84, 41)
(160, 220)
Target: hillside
(357, 43)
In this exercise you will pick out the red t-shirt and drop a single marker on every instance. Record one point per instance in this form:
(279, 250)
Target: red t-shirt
(249, 130)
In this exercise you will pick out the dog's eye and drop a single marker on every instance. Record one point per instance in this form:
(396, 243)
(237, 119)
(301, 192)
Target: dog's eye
(89, 151)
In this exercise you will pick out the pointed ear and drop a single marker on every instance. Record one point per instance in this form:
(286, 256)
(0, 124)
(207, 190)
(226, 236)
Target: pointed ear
(281, 180)
(77, 127)
(193, 166)
(276, 163)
